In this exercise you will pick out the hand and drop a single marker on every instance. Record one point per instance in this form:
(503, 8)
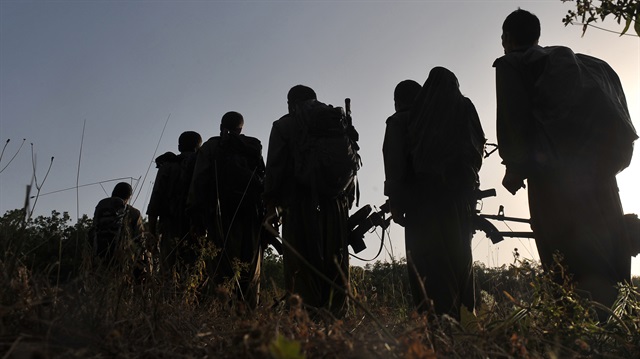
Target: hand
(399, 216)
(272, 220)
(513, 182)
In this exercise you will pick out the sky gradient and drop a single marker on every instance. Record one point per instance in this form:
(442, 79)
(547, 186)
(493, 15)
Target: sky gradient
(126, 68)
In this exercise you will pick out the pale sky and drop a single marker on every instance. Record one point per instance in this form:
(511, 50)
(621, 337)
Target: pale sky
(125, 67)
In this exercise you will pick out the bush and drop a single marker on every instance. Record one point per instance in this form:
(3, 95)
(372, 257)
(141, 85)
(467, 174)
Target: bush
(53, 304)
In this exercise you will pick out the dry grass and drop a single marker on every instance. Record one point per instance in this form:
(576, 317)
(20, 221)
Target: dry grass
(100, 313)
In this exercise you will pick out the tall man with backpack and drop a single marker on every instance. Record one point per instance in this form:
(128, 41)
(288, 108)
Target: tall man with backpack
(168, 220)
(225, 204)
(310, 185)
(563, 125)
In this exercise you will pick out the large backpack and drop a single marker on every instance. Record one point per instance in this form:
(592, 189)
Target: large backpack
(326, 157)
(239, 170)
(182, 173)
(579, 104)
(108, 226)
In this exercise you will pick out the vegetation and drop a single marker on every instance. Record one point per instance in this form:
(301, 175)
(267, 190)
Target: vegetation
(56, 302)
(588, 14)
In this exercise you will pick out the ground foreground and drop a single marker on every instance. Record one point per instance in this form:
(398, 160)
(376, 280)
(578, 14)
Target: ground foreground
(55, 303)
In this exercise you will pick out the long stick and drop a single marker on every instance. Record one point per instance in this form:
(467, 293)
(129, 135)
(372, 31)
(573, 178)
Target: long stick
(85, 185)
(12, 157)
(78, 174)
(152, 158)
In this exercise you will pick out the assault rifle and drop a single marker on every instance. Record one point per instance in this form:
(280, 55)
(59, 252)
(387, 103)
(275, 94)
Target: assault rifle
(362, 221)
(351, 131)
(481, 221)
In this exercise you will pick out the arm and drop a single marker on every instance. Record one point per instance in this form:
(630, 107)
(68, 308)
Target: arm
(514, 125)
(395, 163)
(200, 196)
(278, 166)
(158, 202)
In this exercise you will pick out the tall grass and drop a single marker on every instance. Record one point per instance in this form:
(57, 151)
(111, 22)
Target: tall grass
(57, 304)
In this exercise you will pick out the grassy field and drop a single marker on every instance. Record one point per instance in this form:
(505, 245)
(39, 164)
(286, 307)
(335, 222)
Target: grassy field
(54, 303)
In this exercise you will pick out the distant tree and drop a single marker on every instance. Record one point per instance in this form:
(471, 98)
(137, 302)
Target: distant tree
(587, 13)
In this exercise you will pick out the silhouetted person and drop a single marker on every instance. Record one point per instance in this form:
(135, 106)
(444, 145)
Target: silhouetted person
(167, 206)
(443, 154)
(224, 202)
(118, 233)
(397, 162)
(563, 125)
(314, 222)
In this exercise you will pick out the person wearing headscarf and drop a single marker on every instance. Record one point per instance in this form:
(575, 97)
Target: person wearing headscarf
(445, 144)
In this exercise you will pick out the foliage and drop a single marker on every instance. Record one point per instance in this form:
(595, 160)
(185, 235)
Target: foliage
(46, 244)
(272, 275)
(589, 14)
(95, 311)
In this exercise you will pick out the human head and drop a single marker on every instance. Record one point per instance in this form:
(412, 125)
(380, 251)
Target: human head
(405, 93)
(123, 191)
(520, 29)
(232, 122)
(441, 77)
(189, 141)
(299, 93)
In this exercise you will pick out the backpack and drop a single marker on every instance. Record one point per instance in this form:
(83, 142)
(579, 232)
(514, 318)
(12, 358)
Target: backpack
(239, 170)
(182, 173)
(108, 224)
(326, 158)
(579, 104)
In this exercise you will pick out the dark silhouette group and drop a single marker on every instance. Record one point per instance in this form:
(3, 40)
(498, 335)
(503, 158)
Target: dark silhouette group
(562, 125)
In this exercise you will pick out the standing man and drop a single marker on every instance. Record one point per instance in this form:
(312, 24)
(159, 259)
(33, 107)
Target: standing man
(314, 214)
(224, 203)
(563, 125)
(394, 149)
(443, 154)
(168, 203)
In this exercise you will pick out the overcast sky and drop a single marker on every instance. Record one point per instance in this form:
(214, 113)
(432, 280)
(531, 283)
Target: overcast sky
(125, 68)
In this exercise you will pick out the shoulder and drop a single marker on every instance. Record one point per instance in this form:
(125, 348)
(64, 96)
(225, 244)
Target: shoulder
(110, 202)
(283, 124)
(398, 118)
(283, 121)
(523, 56)
(212, 141)
(251, 141)
(209, 145)
(467, 102)
(133, 211)
(166, 157)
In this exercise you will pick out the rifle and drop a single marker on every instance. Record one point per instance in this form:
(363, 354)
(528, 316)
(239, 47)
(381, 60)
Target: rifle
(481, 221)
(351, 131)
(362, 221)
